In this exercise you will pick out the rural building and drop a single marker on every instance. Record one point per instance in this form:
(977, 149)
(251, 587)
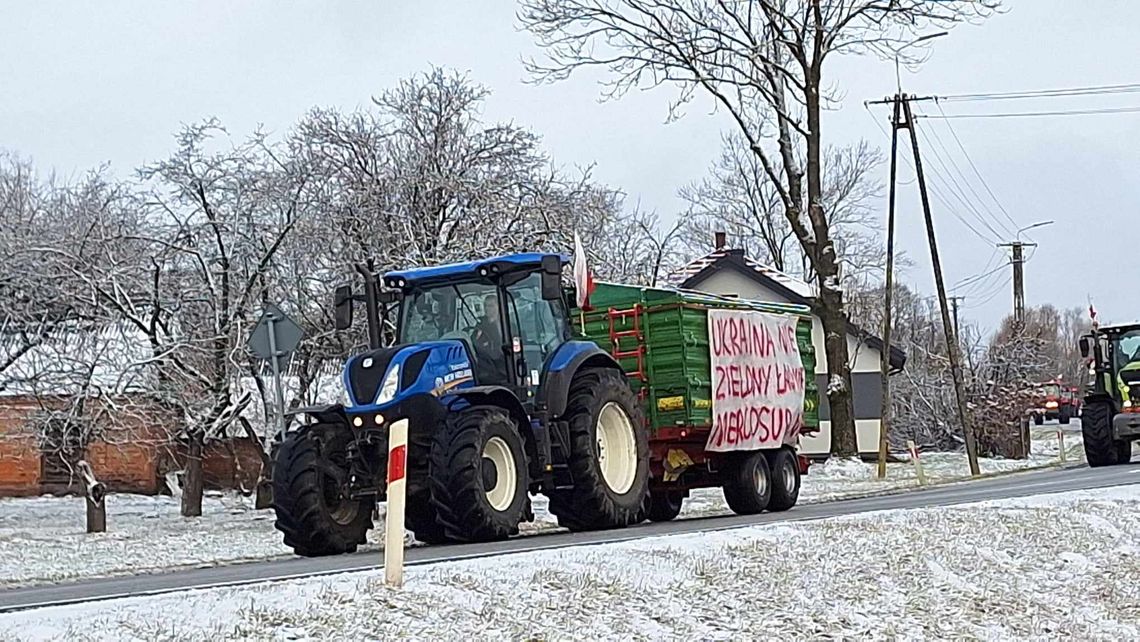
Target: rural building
(730, 272)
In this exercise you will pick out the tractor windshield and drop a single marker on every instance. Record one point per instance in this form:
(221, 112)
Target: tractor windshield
(1052, 389)
(1126, 348)
(451, 311)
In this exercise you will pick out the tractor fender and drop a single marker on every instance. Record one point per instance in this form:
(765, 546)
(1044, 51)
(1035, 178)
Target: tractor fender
(561, 368)
(502, 397)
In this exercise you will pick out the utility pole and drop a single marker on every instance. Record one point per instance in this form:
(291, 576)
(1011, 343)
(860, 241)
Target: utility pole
(885, 354)
(902, 101)
(1017, 249)
(954, 306)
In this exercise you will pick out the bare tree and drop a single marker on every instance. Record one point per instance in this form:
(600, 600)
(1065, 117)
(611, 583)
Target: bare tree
(762, 63)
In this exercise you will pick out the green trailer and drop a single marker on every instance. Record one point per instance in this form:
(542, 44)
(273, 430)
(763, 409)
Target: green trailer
(662, 340)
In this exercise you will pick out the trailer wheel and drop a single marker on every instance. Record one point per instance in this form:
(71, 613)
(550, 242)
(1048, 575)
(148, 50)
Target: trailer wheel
(609, 455)
(748, 486)
(785, 479)
(1096, 429)
(665, 506)
(479, 475)
(310, 482)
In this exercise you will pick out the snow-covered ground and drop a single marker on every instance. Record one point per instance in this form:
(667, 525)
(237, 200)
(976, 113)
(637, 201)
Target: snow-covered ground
(1062, 566)
(42, 539)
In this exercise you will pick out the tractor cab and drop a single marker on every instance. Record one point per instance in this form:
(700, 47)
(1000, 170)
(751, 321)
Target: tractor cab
(1111, 408)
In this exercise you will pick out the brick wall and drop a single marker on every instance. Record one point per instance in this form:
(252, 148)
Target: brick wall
(233, 463)
(19, 451)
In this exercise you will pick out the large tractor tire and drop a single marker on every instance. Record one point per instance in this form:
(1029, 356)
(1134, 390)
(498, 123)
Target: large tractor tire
(748, 483)
(1065, 415)
(665, 506)
(609, 455)
(310, 484)
(479, 477)
(1096, 429)
(420, 513)
(785, 479)
(1038, 419)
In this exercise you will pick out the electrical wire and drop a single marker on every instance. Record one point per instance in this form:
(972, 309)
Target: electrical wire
(1096, 90)
(1032, 114)
(933, 188)
(985, 185)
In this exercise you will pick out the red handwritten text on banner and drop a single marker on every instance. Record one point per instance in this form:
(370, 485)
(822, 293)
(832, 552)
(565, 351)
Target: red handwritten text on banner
(757, 378)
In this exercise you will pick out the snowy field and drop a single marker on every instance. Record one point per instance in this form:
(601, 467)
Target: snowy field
(1062, 566)
(42, 539)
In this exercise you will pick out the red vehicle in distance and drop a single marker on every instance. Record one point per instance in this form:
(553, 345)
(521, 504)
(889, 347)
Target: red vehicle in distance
(1053, 402)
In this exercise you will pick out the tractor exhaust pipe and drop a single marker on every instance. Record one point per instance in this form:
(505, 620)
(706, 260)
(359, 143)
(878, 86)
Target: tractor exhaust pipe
(371, 305)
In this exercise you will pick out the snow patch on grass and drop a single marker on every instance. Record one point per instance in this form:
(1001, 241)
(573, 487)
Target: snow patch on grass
(1049, 567)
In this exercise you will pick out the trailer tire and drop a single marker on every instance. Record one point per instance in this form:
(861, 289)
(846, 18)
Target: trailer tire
(312, 510)
(601, 407)
(479, 477)
(665, 506)
(748, 483)
(785, 479)
(1096, 429)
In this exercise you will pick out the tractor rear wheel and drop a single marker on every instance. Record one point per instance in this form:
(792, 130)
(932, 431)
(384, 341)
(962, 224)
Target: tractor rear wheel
(1096, 429)
(1038, 419)
(311, 493)
(609, 454)
(1066, 415)
(785, 479)
(748, 483)
(665, 506)
(479, 479)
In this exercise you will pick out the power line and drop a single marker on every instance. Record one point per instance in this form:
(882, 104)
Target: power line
(955, 188)
(934, 191)
(969, 160)
(1033, 114)
(978, 199)
(1096, 90)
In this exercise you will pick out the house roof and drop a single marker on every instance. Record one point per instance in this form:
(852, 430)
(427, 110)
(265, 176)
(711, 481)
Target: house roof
(793, 289)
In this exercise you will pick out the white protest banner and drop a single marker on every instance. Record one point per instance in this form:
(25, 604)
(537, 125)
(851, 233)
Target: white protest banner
(757, 380)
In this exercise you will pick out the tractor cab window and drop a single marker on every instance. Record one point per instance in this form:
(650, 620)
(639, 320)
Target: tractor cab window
(539, 325)
(465, 311)
(1127, 349)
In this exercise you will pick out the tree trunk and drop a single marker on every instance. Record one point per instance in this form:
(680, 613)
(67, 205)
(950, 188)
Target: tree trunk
(839, 397)
(95, 494)
(192, 483)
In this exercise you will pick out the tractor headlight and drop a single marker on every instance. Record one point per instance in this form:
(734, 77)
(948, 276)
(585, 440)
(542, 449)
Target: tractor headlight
(391, 385)
(1127, 404)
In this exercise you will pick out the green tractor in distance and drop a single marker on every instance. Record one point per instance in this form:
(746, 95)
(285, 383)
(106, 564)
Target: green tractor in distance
(1110, 420)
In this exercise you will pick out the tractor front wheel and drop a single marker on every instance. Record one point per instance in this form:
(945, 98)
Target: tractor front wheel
(311, 493)
(479, 479)
(1096, 429)
(609, 455)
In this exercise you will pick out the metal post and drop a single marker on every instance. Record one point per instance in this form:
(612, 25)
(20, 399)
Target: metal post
(885, 356)
(279, 402)
(951, 339)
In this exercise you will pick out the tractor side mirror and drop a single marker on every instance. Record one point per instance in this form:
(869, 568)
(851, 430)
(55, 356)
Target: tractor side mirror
(551, 278)
(1084, 343)
(342, 307)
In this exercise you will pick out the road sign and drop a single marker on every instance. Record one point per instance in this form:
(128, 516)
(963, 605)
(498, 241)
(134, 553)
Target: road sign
(275, 335)
(274, 339)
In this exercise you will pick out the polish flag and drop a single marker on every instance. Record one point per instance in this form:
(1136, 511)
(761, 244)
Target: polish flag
(1092, 315)
(583, 280)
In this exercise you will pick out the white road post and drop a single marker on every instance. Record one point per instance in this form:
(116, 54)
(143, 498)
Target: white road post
(397, 493)
(1061, 444)
(917, 462)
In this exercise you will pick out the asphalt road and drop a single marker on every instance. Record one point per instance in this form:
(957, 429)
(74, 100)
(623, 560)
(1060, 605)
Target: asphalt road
(1017, 485)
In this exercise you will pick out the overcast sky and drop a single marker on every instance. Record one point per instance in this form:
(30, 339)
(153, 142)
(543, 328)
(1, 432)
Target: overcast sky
(109, 82)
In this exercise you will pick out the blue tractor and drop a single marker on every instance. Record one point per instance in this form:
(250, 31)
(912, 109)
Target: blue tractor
(501, 401)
